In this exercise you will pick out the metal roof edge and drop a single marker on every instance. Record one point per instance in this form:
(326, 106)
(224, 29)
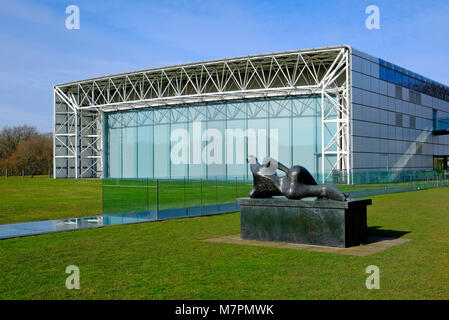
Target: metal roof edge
(203, 61)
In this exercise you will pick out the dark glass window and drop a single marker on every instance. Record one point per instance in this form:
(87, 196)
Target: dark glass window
(398, 119)
(398, 92)
(394, 74)
(404, 81)
(383, 73)
(418, 98)
(427, 89)
(412, 96)
(421, 86)
(434, 119)
(398, 78)
(412, 122)
(391, 77)
(414, 84)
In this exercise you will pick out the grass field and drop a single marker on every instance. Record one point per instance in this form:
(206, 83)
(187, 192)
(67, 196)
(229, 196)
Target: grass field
(167, 260)
(41, 198)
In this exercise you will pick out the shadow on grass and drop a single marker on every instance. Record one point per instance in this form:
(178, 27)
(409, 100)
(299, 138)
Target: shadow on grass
(376, 231)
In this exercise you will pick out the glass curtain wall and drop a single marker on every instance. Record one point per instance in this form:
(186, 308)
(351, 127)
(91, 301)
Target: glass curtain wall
(212, 141)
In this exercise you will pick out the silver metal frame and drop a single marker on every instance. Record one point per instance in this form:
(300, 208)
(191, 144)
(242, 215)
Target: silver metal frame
(79, 106)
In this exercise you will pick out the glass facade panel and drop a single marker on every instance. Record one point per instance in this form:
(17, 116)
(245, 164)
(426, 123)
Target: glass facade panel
(115, 152)
(255, 146)
(235, 140)
(129, 164)
(196, 167)
(280, 134)
(212, 141)
(145, 151)
(397, 75)
(179, 150)
(306, 127)
(161, 151)
(214, 151)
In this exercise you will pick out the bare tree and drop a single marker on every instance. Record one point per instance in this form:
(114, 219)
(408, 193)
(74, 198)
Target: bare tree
(10, 137)
(24, 148)
(34, 155)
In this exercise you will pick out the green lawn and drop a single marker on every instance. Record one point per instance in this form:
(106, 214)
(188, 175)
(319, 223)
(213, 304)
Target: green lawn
(41, 198)
(166, 260)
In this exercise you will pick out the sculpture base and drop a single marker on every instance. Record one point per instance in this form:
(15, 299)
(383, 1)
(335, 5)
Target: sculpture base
(317, 222)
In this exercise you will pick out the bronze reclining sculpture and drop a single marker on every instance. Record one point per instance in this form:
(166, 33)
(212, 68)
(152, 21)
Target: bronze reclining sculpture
(297, 183)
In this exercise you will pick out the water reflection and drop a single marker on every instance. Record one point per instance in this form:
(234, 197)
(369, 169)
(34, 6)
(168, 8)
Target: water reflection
(40, 227)
(78, 223)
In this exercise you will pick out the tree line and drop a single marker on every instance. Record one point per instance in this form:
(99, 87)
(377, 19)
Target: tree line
(24, 148)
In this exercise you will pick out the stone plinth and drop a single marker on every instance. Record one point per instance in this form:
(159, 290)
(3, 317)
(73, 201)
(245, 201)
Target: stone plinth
(316, 222)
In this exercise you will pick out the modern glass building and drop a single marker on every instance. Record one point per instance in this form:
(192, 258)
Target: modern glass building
(337, 111)
(147, 143)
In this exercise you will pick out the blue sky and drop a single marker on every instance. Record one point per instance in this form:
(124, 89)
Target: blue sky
(37, 51)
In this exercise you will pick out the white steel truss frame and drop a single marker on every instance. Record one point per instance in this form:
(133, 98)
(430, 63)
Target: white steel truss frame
(79, 106)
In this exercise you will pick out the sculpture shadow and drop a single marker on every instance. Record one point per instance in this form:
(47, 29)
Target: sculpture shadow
(377, 232)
